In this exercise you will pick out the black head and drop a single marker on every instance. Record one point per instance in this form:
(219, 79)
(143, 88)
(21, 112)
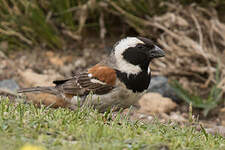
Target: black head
(136, 52)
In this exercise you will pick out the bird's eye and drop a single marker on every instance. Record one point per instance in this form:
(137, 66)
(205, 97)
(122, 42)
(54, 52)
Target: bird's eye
(150, 46)
(140, 46)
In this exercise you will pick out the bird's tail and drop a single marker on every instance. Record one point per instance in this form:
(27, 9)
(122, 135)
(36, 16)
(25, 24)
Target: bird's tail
(48, 89)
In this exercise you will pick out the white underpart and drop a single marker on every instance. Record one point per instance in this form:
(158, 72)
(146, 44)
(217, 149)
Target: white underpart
(122, 64)
(97, 81)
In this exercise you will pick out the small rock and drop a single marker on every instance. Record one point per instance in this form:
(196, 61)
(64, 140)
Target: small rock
(31, 78)
(159, 84)
(2, 55)
(46, 99)
(142, 116)
(176, 116)
(80, 62)
(87, 52)
(58, 60)
(4, 46)
(155, 103)
(150, 118)
(9, 85)
(216, 130)
(222, 110)
(66, 69)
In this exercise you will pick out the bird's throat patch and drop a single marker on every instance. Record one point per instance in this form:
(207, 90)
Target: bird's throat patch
(135, 82)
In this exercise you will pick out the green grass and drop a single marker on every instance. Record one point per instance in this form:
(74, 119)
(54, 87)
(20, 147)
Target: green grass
(22, 124)
(213, 100)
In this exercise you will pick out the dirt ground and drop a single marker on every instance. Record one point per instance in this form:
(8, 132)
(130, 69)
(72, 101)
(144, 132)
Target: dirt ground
(40, 67)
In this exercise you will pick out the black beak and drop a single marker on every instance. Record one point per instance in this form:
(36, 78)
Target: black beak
(156, 52)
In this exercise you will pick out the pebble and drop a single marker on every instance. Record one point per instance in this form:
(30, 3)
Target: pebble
(160, 84)
(9, 85)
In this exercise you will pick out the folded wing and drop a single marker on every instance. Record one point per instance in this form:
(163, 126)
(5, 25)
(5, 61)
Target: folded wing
(98, 80)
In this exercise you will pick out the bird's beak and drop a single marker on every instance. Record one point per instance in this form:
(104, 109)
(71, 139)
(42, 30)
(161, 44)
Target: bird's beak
(156, 52)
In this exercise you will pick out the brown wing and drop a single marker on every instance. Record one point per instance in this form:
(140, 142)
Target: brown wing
(98, 80)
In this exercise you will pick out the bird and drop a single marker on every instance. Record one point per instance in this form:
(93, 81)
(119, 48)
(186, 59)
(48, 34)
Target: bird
(117, 81)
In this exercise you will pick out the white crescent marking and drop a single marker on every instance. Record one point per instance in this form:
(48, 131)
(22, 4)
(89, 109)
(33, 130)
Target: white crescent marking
(97, 81)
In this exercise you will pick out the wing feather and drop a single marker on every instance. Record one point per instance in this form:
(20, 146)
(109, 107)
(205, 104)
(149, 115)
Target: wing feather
(82, 84)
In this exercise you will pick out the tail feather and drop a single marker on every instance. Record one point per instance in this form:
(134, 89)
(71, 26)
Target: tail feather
(49, 89)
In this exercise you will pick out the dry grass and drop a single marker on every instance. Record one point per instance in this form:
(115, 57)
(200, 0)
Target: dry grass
(194, 40)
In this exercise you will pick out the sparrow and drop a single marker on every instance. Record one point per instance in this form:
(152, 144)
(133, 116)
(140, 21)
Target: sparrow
(117, 81)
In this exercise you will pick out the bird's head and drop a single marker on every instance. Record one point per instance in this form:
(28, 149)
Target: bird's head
(133, 54)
